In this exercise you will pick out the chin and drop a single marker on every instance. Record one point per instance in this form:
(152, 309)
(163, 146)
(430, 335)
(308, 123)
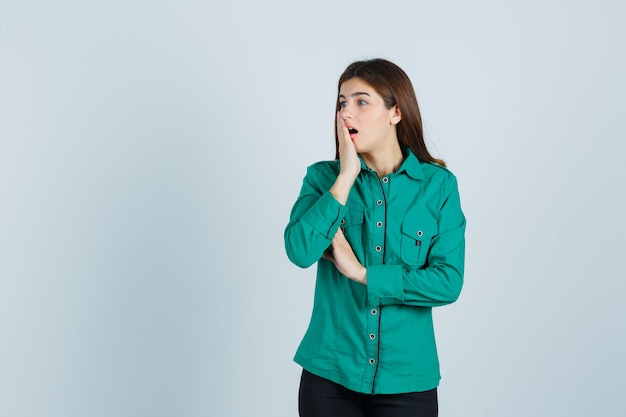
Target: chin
(360, 149)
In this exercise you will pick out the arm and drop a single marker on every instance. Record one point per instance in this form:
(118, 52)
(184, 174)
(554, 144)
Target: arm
(314, 220)
(441, 281)
(342, 255)
(316, 215)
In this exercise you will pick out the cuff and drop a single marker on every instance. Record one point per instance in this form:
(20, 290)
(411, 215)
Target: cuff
(325, 215)
(385, 284)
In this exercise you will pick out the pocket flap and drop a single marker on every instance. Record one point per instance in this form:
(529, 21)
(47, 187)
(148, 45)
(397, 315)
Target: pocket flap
(419, 227)
(353, 217)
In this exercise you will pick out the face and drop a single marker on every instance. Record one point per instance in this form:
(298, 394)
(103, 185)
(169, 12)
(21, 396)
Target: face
(372, 126)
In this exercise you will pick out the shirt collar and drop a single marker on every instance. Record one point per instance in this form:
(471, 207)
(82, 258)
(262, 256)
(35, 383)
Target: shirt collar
(411, 165)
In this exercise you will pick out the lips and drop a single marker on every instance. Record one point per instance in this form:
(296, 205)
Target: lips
(352, 132)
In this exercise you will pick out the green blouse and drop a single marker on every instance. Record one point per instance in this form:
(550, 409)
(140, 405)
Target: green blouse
(407, 229)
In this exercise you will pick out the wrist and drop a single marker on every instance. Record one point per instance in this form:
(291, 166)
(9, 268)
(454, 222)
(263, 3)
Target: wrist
(341, 188)
(361, 275)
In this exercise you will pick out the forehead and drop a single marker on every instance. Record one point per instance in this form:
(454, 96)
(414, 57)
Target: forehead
(356, 85)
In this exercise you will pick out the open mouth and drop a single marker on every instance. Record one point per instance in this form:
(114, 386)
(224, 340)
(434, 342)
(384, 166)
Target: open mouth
(352, 130)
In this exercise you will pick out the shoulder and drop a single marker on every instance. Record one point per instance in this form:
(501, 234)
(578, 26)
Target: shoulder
(323, 169)
(322, 174)
(439, 175)
(430, 172)
(436, 172)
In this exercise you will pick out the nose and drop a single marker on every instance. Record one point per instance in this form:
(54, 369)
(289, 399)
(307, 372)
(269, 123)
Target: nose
(345, 113)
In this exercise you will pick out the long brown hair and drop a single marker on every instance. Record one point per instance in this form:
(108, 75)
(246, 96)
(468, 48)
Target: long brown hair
(394, 86)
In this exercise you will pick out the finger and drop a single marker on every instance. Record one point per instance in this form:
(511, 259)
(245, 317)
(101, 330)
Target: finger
(339, 236)
(342, 130)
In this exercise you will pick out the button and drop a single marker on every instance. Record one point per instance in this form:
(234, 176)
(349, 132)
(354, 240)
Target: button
(374, 312)
(343, 221)
(372, 361)
(378, 248)
(420, 233)
(379, 224)
(379, 202)
(372, 336)
(385, 180)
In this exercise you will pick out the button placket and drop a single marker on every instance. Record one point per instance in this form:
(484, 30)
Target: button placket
(378, 216)
(385, 183)
(372, 341)
(377, 228)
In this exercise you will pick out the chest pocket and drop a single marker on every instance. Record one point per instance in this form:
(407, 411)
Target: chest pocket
(417, 234)
(352, 226)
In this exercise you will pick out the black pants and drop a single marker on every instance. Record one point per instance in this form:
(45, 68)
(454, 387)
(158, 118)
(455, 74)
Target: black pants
(320, 397)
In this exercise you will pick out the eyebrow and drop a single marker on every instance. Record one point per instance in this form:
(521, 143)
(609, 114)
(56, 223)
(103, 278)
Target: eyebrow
(358, 93)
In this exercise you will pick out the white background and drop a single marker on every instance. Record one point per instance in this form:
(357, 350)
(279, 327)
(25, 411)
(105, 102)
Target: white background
(150, 152)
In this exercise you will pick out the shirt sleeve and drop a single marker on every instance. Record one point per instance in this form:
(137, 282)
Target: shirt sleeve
(440, 282)
(314, 220)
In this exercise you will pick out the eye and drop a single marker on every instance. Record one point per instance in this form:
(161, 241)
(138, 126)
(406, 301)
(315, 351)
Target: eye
(343, 103)
(362, 102)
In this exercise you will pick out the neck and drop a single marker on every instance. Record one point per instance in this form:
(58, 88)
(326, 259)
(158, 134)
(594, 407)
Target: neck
(384, 162)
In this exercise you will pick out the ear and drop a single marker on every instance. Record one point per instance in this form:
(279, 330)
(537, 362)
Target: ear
(396, 115)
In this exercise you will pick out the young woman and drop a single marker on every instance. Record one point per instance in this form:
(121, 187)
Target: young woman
(384, 224)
